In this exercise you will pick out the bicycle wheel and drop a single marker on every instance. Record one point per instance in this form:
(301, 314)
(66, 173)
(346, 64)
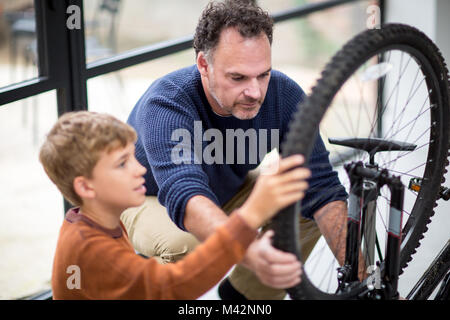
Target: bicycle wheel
(390, 84)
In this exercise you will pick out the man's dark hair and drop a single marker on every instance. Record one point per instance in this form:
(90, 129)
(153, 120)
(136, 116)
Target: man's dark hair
(244, 15)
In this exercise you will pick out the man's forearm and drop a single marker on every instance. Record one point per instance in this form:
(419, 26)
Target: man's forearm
(203, 216)
(332, 222)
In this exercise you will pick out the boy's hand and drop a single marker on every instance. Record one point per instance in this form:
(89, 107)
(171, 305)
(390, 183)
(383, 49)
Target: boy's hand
(277, 187)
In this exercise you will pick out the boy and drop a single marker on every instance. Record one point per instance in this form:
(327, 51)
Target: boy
(90, 158)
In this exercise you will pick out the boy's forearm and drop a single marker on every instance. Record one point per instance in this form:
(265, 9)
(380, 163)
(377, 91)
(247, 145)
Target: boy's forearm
(209, 262)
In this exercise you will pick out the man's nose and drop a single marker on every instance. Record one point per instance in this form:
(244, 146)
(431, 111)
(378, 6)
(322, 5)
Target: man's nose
(253, 91)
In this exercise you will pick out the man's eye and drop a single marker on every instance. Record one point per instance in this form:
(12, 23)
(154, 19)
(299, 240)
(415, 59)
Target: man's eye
(237, 78)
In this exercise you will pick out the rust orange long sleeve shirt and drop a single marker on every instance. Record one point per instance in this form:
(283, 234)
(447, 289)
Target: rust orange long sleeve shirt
(108, 268)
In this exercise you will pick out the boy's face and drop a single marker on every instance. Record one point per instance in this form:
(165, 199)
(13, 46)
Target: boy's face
(117, 179)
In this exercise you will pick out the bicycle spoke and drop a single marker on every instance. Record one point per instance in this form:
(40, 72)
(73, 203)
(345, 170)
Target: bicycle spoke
(407, 172)
(389, 201)
(404, 108)
(410, 90)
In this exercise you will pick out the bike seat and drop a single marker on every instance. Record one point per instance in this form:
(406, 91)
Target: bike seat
(373, 145)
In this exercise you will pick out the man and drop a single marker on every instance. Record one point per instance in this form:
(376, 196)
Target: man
(231, 94)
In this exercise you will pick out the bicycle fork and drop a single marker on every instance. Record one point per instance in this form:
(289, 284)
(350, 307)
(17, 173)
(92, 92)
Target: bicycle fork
(365, 183)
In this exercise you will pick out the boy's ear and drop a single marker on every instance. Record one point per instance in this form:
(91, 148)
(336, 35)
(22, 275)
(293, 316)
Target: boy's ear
(83, 187)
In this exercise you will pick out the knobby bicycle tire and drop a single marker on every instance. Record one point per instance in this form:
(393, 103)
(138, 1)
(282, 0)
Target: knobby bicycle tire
(305, 124)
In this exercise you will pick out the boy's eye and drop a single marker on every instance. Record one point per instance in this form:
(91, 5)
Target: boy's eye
(122, 164)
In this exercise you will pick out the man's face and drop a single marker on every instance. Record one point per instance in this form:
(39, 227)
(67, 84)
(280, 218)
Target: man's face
(237, 73)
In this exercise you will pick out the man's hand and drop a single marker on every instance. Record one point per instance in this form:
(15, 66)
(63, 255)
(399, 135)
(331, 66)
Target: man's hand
(275, 268)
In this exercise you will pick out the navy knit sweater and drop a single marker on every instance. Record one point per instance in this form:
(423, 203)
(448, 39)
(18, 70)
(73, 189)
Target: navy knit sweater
(170, 119)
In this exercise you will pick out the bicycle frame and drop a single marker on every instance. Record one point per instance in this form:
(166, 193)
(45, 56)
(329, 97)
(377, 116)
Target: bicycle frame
(438, 270)
(365, 183)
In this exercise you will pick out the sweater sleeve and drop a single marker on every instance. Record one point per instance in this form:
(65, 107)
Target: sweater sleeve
(112, 271)
(324, 183)
(165, 125)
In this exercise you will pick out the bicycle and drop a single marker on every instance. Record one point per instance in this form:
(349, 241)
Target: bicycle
(406, 159)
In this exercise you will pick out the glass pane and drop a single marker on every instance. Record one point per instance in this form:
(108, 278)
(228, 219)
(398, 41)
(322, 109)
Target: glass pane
(117, 93)
(275, 6)
(303, 46)
(18, 53)
(119, 25)
(31, 208)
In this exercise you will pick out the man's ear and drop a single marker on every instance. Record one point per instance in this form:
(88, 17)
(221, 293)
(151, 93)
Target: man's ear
(83, 187)
(202, 64)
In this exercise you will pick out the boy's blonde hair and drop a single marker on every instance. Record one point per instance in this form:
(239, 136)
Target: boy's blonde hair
(74, 144)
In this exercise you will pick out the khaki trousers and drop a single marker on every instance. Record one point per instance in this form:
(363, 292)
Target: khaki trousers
(154, 234)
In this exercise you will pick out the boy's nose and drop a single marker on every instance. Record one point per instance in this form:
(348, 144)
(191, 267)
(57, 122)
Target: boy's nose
(139, 168)
(142, 169)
